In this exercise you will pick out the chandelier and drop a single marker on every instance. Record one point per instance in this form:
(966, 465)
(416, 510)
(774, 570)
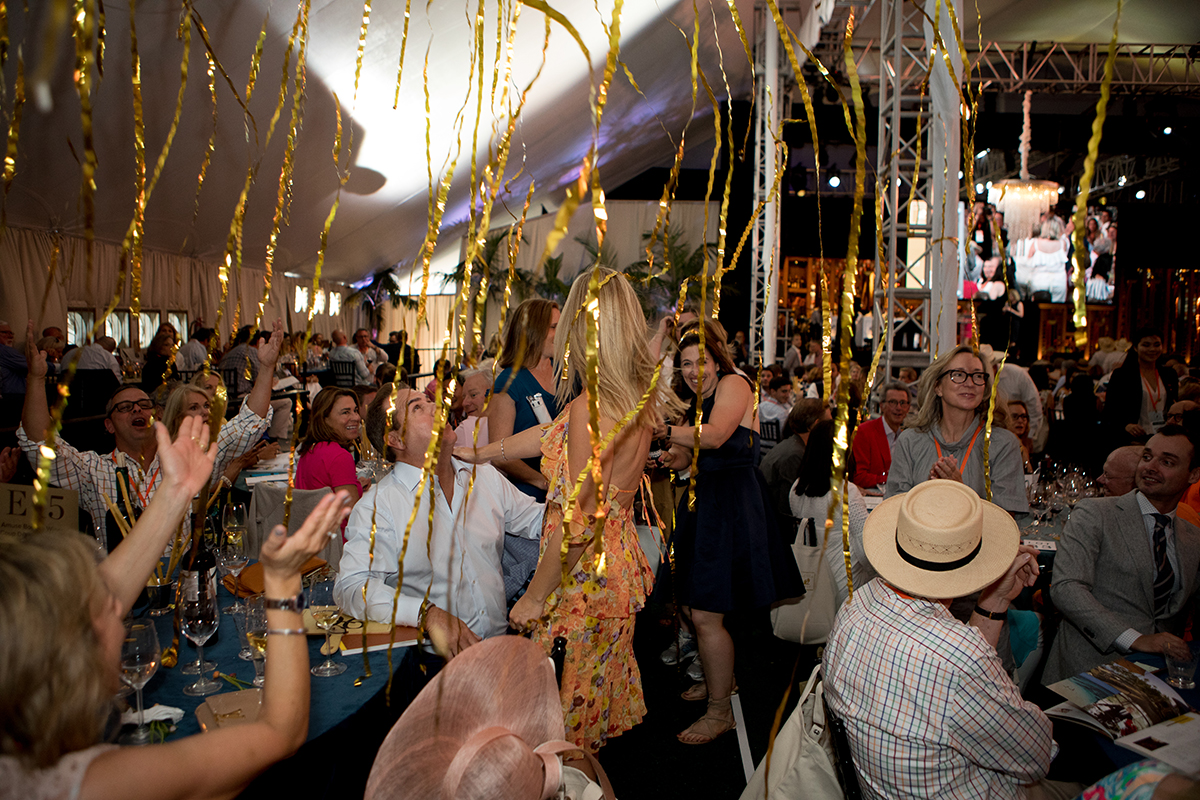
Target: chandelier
(1023, 201)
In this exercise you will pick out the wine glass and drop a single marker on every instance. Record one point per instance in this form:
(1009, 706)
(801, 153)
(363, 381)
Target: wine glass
(325, 613)
(256, 633)
(140, 655)
(199, 620)
(232, 559)
(1036, 494)
(1074, 488)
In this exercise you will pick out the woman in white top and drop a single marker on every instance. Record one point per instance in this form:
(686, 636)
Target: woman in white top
(810, 502)
(1047, 258)
(60, 643)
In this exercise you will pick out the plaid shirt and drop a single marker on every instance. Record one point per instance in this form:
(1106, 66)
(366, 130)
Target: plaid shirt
(94, 475)
(929, 710)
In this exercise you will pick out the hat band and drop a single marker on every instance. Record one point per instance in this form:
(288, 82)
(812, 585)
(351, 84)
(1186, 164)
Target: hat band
(937, 566)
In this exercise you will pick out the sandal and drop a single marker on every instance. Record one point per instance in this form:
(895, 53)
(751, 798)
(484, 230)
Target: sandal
(710, 726)
(699, 691)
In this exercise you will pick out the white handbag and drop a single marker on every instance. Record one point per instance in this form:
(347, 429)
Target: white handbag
(808, 619)
(802, 758)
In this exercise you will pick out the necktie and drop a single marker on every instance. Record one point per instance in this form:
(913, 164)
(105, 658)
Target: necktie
(1164, 576)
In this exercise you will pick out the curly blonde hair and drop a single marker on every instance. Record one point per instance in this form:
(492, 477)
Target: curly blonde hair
(54, 691)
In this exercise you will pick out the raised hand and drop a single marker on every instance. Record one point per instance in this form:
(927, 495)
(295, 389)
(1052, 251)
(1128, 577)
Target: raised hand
(268, 352)
(188, 461)
(35, 358)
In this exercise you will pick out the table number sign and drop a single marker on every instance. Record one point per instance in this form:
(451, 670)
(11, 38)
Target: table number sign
(16, 508)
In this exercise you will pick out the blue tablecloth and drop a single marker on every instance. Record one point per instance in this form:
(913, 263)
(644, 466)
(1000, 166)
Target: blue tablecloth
(333, 699)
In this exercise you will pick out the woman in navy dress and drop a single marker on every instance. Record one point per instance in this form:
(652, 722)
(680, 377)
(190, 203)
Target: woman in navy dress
(729, 554)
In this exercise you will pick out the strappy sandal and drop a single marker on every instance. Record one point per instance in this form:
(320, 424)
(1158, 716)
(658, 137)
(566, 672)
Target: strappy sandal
(709, 727)
(699, 691)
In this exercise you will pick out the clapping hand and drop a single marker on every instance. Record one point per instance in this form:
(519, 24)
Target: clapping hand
(188, 461)
(946, 468)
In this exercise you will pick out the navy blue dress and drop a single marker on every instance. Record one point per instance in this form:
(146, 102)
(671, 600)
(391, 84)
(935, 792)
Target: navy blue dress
(729, 555)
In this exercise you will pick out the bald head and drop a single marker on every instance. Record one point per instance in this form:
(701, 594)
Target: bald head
(339, 338)
(1119, 467)
(1177, 410)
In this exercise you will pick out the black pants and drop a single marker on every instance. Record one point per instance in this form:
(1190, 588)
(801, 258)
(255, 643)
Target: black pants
(336, 764)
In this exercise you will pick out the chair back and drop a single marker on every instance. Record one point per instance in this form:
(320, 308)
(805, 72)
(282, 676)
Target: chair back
(266, 511)
(344, 373)
(769, 431)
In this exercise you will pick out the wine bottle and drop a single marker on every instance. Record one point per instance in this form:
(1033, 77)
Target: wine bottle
(200, 560)
(126, 515)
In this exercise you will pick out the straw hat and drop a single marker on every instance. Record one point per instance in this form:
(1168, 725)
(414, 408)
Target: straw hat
(940, 540)
(490, 724)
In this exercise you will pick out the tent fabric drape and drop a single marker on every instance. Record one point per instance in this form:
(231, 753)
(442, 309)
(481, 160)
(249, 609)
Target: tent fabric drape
(169, 283)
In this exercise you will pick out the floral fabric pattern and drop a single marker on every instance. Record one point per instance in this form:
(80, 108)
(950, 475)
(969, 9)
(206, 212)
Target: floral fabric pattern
(594, 608)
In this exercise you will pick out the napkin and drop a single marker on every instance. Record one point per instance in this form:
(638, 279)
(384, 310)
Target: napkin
(153, 714)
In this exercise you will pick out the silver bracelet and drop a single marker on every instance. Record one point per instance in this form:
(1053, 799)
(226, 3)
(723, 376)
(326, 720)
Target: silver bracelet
(288, 631)
(502, 456)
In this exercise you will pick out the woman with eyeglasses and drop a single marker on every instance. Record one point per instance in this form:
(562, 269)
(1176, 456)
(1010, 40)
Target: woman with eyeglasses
(1018, 423)
(947, 438)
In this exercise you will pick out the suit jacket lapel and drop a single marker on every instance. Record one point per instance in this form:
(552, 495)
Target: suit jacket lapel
(1131, 529)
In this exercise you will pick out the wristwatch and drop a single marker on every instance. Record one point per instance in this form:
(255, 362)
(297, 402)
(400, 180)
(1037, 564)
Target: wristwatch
(297, 603)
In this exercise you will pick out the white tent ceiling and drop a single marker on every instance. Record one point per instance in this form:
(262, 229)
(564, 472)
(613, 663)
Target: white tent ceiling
(383, 215)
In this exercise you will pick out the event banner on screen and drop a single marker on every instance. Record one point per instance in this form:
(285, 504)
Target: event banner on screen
(16, 508)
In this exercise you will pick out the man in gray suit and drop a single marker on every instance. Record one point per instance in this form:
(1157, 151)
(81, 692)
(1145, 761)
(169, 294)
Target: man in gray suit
(1127, 566)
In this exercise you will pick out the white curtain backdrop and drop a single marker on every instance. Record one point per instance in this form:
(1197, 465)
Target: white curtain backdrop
(169, 283)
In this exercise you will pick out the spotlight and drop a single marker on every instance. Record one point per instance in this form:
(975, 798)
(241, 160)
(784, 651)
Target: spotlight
(979, 188)
(835, 181)
(1121, 181)
(960, 174)
(989, 184)
(1060, 190)
(1141, 194)
(1167, 130)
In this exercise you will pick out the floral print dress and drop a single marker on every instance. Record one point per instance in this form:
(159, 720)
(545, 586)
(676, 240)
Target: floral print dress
(595, 606)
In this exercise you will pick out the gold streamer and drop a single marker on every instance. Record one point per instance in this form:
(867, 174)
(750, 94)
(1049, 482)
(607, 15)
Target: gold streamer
(403, 47)
(849, 279)
(14, 130)
(1079, 316)
(100, 38)
(3, 34)
(987, 432)
(84, 30)
(139, 173)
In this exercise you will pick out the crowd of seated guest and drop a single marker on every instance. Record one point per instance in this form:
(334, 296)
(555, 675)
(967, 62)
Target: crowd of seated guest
(947, 462)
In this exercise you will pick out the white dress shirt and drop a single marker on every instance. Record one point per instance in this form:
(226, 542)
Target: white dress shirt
(459, 564)
(191, 356)
(93, 356)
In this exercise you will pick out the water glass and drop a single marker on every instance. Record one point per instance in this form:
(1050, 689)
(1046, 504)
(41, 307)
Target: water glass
(140, 656)
(1181, 671)
(198, 621)
(231, 560)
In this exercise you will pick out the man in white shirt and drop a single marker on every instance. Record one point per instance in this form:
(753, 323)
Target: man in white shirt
(98, 355)
(1016, 384)
(342, 352)
(777, 401)
(191, 356)
(457, 562)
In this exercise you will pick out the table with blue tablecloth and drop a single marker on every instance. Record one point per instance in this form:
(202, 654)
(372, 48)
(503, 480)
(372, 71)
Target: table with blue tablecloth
(333, 699)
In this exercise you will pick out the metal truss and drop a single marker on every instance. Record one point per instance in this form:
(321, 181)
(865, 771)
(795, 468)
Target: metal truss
(1058, 67)
(764, 240)
(1121, 172)
(902, 276)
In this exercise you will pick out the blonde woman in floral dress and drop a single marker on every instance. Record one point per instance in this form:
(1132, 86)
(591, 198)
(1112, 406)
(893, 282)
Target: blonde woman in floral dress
(588, 589)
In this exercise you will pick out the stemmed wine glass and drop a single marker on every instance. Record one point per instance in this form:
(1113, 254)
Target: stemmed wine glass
(140, 655)
(1036, 493)
(256, 633)
(325, 614)
(232, 559)
(199, 622)
(1074, 489)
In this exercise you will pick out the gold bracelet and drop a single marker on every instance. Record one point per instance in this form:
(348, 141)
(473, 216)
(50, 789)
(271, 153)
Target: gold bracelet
(288, 631)
(502, 456)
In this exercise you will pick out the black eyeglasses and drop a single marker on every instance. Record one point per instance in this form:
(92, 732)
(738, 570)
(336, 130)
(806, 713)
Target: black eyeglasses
(897, 403)
(126, 406)
(960, 376)
(1174, 418)
(1020, 416)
